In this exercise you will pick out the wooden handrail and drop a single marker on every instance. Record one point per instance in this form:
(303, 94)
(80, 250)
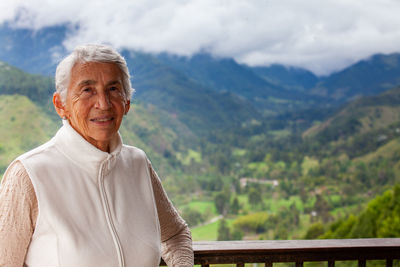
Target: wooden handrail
(298, 251)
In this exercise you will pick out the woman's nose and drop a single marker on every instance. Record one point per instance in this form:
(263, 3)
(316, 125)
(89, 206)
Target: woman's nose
(103, 101)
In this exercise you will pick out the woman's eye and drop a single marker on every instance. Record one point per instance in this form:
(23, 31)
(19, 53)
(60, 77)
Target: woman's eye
(113, 88)
(86, 90)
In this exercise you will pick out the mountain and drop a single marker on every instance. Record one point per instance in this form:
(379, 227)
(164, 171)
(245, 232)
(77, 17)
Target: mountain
(33, 51)
(206, 93)
(225, 74)
(363, 115)
(367, 77)
(288, 77)
(221, 74)
(197, 106)
(272, 90)
(15, 81)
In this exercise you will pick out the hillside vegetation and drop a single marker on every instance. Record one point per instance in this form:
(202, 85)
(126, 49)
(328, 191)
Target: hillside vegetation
(379, 219)
(234, 169)
(324, 174)
(360, 116)
(23, 126)
(14, 81)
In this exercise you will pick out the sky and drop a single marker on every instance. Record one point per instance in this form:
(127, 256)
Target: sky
(320, 35)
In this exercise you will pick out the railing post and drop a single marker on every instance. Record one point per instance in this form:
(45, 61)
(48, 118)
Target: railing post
(240, 264)
(331, 263)
(389, 262)
(268, 264)
(362, 263)
(299, 264)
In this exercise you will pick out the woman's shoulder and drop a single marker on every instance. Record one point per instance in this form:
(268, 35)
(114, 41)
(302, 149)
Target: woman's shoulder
(133, 151)
(37, 151)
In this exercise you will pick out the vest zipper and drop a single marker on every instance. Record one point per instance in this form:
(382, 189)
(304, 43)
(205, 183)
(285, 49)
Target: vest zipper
(107, 212)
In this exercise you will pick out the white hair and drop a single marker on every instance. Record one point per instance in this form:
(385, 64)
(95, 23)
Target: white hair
(91, 53)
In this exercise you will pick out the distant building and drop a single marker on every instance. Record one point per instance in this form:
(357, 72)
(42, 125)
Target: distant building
(245, 180)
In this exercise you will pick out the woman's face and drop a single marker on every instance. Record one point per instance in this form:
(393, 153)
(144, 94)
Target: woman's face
(95, 102)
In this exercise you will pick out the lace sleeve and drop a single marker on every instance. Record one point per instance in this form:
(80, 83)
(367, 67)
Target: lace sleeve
(18, 213)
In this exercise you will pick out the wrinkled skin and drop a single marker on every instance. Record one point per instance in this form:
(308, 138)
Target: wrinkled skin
(95, 103)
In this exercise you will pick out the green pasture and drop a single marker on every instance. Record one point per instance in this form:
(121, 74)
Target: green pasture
(207, 232)
(203, 206)
(271, 204)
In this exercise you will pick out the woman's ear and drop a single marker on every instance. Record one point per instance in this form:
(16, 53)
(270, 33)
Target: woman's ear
(59, 106)
(127, 106)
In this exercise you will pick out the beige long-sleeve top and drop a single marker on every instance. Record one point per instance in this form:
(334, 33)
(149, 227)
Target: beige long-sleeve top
(19, 210)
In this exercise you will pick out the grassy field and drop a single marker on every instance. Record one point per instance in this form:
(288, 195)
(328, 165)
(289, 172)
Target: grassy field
(208, 232)
(205, 232)
(272, 204)
(204, 207)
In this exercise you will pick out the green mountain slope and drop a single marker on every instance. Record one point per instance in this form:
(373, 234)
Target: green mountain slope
(15, 81)
(196, 106)
(159, 134)
(225, 74)
(23, 126)
(360, 116)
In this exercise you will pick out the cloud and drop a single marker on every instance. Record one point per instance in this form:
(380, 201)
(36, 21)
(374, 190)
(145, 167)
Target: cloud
(322, 36)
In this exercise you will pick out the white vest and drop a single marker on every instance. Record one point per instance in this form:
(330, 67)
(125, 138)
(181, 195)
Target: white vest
(95, 208)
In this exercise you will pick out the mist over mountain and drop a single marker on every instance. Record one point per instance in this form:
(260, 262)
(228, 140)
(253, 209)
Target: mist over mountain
(270, 90)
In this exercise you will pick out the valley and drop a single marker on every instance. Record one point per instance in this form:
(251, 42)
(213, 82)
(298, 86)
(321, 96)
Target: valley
(330, 145)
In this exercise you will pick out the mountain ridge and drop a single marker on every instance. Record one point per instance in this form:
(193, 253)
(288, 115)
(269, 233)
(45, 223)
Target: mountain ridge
(273, 90)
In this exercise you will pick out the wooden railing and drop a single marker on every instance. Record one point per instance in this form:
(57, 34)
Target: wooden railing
(297, 251)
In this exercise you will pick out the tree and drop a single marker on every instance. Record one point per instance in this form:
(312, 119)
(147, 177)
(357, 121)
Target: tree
(315, 231)
(254, 196)
(223, 231)
(295, 215)
(234, 209)
(221, 202)
(322, 208)
(192, 217)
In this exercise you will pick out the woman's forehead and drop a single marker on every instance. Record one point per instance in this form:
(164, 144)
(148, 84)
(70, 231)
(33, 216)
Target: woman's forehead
(94, 72)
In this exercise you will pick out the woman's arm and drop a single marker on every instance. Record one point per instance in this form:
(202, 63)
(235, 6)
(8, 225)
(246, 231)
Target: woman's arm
(175, 234)
(18, 213)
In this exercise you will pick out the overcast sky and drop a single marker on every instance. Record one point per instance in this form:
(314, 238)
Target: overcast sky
(320, 35)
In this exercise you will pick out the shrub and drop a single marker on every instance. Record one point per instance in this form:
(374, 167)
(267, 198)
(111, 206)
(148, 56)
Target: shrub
(255, 222)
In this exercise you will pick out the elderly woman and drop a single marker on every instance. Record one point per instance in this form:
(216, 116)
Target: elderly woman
(84, 199)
